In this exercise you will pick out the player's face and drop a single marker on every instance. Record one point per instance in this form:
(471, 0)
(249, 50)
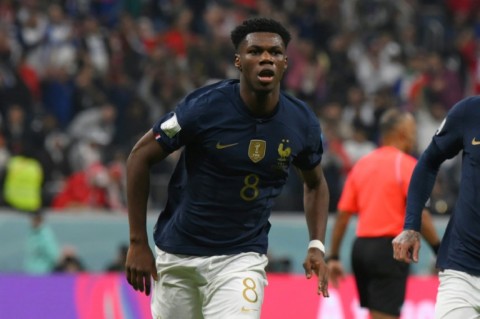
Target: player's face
(262, 60)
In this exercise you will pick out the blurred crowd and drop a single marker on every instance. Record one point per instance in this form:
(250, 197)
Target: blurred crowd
(82, 80)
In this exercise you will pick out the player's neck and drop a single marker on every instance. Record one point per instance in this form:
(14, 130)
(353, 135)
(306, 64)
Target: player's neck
(260, 104)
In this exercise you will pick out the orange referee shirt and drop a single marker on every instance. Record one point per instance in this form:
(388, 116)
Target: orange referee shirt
(376, 189)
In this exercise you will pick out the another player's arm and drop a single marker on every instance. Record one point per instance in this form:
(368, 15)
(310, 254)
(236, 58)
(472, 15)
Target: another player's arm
(140, 264)
(315, 201)
(338, 233)
(407, 244)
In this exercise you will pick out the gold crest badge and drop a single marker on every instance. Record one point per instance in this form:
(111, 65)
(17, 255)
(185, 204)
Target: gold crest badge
(256, 150)
(283, 151)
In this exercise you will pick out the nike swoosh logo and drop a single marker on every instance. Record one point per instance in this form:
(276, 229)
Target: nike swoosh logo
(244, 309)
(475, 142)
(222, 146)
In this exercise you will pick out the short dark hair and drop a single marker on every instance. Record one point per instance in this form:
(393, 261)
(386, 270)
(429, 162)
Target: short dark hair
(258, 25)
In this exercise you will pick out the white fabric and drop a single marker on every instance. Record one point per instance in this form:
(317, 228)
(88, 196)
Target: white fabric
(458, 296)
(316, 244)
(171, 126)
(215, 287)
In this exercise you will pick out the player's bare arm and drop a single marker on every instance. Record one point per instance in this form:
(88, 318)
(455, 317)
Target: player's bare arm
(140, 264)
(316, 196)
(333, 261)
(406, 246)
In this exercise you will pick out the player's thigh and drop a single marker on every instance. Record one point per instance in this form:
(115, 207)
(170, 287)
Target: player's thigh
(175, 298)
(176, 294)
(458, 296)
(237, 290)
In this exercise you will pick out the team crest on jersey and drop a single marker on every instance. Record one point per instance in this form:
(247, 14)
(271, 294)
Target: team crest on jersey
(256, 150)
(284, 152)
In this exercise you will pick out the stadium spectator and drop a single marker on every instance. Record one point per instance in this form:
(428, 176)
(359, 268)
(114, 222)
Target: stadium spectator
(341, 69)
(91, 131)
(93, 46)
(57, 94)
(378, 64)
(55, 163)
(69, 261)
(22, 187)
(88, 91)
(358, 145)
(41, 246)
(58, 43)
(307, 74)
(442, 82)
(30, 31)
(116, 185)
(29, 76)
(358, 109)
(84, 189)
(18, 131)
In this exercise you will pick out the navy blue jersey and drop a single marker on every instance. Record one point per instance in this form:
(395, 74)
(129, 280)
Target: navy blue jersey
(460, 248)
(232, 167)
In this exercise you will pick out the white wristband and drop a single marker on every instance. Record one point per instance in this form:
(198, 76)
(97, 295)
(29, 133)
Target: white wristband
(316, 244)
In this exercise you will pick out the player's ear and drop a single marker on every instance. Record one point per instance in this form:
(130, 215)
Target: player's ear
(286, 62)
(237, 62)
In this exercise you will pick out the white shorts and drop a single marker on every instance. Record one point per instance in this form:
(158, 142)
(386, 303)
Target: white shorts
(458, 296)
(216, 287)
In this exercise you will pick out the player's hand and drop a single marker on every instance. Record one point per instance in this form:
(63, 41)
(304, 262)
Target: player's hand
(314, 263)
(140, 265)
(406, 246)
(336, 272)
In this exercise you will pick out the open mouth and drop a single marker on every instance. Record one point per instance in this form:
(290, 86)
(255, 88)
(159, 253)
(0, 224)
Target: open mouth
(266, 75)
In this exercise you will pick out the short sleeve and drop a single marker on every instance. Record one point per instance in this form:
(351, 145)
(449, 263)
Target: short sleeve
(180, 127)
(312, 154)
(166, 131)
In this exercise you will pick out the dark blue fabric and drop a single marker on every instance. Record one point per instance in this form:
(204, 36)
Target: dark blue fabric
(460, 247)
(220, 197)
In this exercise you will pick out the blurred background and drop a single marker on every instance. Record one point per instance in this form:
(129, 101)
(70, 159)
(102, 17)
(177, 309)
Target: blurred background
(82, 80)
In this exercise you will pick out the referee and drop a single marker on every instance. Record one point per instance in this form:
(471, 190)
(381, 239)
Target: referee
(376, 189)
